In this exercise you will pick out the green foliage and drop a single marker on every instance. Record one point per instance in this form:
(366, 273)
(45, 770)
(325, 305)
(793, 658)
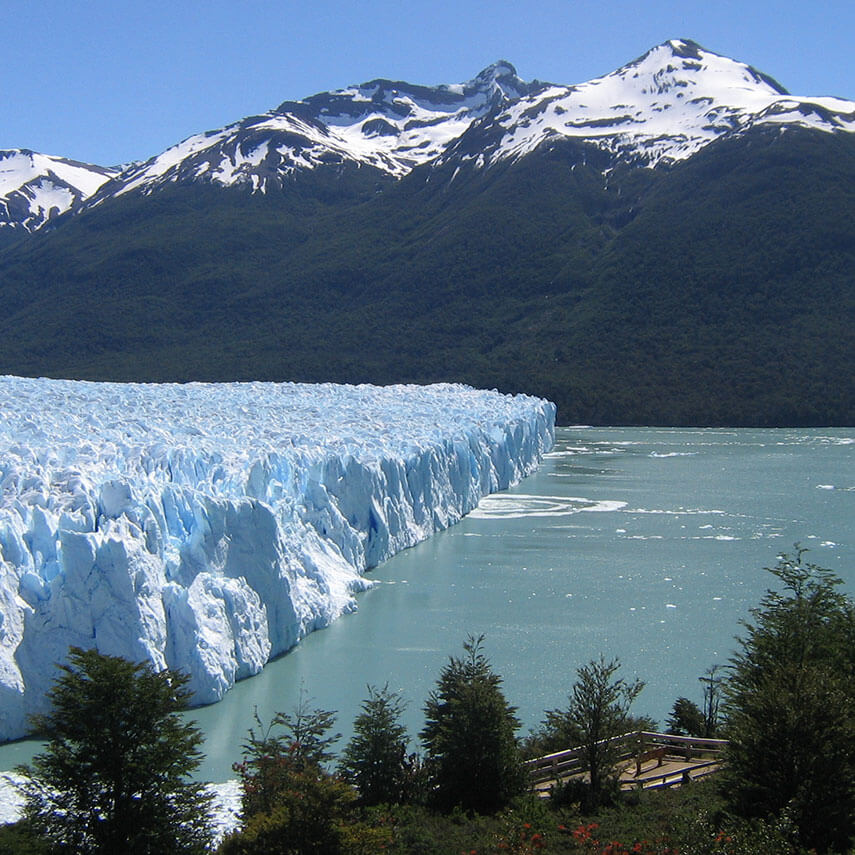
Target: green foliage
(375, 760)
(469, 735)
(560, 730)
(291, 804)
(291, 744)
(687, 820)
(19, 839)
(599, 709)
(307, 814)
(112, 777)
(418, 830)
(686, 719)
(307, 733)
(789, 708)
(557, 732)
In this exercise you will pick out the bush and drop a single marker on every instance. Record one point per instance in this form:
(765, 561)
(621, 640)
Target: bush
(306, 815)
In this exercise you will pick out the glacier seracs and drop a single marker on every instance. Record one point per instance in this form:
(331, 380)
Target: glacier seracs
(208, 527)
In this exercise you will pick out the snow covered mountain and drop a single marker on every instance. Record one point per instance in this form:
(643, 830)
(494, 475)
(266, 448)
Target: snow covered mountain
(35, 188)
(208, 527)
(390, 126)
(663, 107)
(626, 247)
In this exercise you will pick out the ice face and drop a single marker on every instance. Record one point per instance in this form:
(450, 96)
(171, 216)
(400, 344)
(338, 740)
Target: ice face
(208, 527)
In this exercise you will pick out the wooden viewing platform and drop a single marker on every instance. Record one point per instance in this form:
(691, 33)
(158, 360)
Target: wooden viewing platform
(645, 760)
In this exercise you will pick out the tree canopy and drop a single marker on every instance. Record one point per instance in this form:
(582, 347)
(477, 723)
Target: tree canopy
(290, 804)
(790, 703)
(113, 776)
(657, 296)
(469, 734)
(375, 760)
(599, 709)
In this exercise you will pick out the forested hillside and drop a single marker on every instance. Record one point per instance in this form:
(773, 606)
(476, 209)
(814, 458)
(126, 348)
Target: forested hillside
(717, 290)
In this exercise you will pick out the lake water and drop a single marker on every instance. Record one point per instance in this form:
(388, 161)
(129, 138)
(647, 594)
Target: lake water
(642, 544)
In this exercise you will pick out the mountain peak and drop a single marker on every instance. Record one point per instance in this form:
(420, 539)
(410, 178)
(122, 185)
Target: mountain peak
(688, 56)
(662, 107)
(500, 83)
(36, 187)
(497, 71)
(686, 48)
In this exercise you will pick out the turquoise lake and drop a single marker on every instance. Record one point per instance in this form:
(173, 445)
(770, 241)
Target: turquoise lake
(643, 544)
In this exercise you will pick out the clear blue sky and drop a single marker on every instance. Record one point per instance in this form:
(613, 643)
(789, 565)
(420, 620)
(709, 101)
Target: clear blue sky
(108, 81)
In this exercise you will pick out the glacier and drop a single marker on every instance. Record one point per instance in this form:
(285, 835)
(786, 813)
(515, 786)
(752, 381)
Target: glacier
(209, 527)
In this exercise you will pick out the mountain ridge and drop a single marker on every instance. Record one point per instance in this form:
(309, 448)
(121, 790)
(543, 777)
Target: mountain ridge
(35, 188)
(663, 106)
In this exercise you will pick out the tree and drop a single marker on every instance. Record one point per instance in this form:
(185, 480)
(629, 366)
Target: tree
(113, 775)
(375, 760)
(712, 683)
(686, 719)
(598, 710)
(307, 816)
(555, 733)
(274, 753)
(291, 804)
(790, 708)
(469, 736)
(308, 732)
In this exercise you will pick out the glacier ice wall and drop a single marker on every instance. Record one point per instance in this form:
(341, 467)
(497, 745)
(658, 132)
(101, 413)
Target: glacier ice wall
(208, 527)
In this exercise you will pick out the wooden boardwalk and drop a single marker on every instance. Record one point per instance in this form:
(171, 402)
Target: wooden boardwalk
(646, 760)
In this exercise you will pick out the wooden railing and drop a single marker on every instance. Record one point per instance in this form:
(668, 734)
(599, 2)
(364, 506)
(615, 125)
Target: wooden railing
(628, 746)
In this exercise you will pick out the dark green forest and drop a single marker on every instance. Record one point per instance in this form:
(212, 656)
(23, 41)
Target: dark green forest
(716, 291)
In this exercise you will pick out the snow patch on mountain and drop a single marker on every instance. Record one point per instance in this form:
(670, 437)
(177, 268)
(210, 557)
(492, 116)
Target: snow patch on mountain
(391, 126)
(208, 527)
(37, 187)
(664, 106)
